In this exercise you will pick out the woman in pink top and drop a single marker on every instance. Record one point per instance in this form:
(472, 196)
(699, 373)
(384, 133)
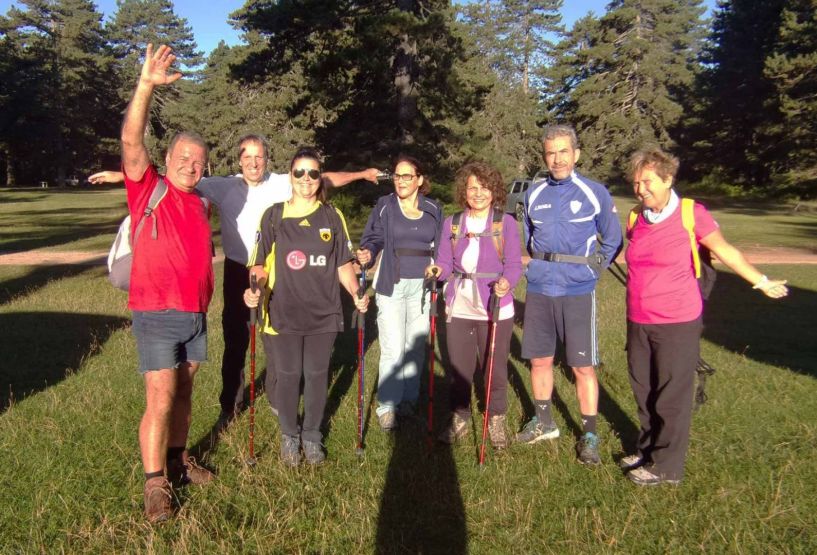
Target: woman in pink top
(664, 314)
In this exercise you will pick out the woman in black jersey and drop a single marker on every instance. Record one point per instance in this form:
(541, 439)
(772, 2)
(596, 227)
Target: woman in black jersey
(302, 252)
(405, 227)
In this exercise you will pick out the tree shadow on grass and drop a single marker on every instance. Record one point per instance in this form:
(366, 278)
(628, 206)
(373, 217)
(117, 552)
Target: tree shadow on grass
(37, 277)
(777, 332)
(41, 349)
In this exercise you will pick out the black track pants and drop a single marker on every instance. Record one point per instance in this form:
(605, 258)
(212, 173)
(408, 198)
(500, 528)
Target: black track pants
(235, 325)
(468, 342)
(662, 360)
(295, 356)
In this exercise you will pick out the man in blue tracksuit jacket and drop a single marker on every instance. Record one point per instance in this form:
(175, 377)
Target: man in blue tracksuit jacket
(572, 234)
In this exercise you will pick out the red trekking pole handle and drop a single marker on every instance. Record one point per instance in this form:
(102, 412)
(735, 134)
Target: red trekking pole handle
(494, 308)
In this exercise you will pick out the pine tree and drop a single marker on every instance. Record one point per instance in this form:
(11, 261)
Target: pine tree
(790, 68)
(375, 77)
(635, 65)
(135, 24)
(66, 71)
(738, 94)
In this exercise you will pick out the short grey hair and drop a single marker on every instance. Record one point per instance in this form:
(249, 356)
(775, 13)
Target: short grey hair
(560, 130)
(190, 137)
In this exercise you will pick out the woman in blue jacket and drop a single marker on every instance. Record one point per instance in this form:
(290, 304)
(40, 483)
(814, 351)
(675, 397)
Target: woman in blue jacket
(404, 228)
(483, 258)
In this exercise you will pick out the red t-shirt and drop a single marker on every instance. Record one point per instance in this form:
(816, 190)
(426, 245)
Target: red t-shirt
(661, 284)
(175, 270)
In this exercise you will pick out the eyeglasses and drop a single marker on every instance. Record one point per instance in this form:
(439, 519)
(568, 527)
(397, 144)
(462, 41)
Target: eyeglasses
(299, 173)
(404, 177)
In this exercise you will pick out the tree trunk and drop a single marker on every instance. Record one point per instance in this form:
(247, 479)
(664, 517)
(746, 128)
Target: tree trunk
(404, 80)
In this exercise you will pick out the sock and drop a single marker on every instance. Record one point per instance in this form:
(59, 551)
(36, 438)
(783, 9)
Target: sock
(158, 473)
(543, 411)
(174, 453)
(589, 423)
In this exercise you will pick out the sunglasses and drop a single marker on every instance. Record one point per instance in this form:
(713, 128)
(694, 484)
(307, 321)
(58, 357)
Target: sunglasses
(299, 173)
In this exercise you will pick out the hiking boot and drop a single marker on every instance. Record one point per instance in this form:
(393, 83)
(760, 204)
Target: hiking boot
(588, 449)
(158, 506)
(290, 450)
(496, 431)
(387, 421)
(644, 476)
(630, 462)
(185, 470)
(457, 428)
(535, 431)
(313, 452)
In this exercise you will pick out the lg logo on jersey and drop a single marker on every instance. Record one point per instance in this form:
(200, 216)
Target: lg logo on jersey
(297, 260)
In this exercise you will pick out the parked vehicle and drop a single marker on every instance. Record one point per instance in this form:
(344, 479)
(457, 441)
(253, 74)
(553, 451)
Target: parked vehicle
(516, 197)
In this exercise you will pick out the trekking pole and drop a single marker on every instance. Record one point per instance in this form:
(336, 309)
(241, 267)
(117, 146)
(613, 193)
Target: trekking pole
(432, 332)
(360, 323)
(491, 348)
(253, 320)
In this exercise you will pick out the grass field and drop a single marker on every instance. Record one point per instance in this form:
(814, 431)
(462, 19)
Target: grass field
(70, 401)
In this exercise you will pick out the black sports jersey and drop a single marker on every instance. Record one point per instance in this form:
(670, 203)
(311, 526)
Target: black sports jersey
(302, 257)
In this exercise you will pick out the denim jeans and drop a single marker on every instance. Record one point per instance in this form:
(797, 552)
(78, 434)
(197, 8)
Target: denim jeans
(403, 324)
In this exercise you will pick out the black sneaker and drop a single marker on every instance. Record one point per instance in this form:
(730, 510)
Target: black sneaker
(588, 449)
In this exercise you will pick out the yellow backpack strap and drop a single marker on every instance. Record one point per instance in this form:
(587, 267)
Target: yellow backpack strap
(688, 220)
(634, 212)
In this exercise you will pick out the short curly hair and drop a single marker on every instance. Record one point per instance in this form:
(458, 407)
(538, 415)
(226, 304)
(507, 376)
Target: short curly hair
(664, 164)
(487, 175)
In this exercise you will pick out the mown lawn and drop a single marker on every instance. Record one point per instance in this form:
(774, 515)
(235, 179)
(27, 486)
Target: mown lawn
(70, 401)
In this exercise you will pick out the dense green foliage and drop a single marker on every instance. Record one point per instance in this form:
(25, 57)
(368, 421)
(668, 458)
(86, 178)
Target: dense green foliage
(733, 96)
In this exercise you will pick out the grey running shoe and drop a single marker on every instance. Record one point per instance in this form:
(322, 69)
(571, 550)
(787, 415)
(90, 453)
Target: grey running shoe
(157, 500)
(457, 428)
(534, 431)
(387, 421)
(643, 476)
(630, 461)
(313, 452)
(496, 431)
(290, 450)
(588, 449)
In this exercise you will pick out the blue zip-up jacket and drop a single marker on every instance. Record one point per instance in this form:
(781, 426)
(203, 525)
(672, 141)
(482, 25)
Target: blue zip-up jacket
(379, 236)
(571, 216)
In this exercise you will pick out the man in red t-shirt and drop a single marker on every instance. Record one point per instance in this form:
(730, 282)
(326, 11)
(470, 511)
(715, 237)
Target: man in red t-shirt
(171, 287)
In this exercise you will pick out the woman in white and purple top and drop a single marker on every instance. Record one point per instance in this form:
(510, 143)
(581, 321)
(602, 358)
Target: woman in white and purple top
(479, 256)
(664, 313)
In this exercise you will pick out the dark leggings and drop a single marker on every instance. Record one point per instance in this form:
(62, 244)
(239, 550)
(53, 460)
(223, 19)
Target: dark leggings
(662, 360)
(234, 323)
(468, 344)
(295, 356)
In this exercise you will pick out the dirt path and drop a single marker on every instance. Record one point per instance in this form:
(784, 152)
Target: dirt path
(49, 257)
